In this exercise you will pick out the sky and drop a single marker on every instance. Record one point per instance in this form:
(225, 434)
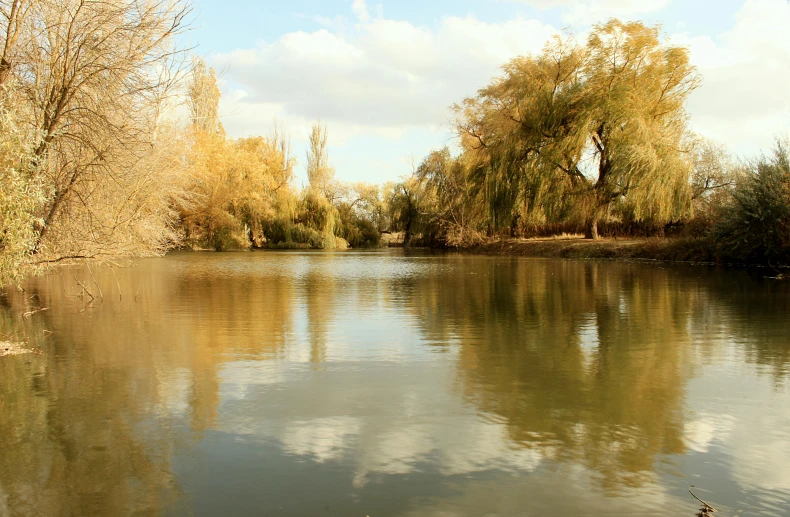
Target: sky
(382, 75)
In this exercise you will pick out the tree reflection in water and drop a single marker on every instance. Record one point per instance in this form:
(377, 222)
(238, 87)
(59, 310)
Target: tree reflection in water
(574, 374)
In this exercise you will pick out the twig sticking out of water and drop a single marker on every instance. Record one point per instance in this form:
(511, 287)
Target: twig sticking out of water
(120, 295)
(84, 288)
(27, 314)
(101, 294)
(706, 509)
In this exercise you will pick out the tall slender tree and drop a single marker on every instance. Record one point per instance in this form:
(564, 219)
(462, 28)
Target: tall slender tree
(203, 98)
(319, 172)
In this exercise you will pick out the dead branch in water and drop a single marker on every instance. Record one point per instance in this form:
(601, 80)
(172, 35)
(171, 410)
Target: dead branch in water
(61, 259)
(706, 509)
(101, 294)
(84, 289)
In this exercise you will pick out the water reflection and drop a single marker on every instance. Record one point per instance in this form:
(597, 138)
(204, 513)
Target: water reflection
(209, 384)
(585, 361)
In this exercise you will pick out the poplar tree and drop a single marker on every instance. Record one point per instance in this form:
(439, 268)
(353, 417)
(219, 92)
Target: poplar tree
(319, 172)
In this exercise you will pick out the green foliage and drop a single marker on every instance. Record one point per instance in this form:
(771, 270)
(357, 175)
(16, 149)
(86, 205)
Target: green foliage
(203, 98)
(284, 234)
(319, 172)
(409, 208)
(241, 195)
(236, 186)
(360, 233)
(226, 238)
(450, 207)
(756, 225)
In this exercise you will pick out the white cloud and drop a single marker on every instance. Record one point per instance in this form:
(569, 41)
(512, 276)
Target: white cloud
(392, 79)
(360, 9)
(744, 100)
(390, 74)
(324, 439)
(420, 426)
(387, 79)
(699, 434)
(469, 447)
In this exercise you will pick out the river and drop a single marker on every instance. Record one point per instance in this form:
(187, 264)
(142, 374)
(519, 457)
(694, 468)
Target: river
(395, 384)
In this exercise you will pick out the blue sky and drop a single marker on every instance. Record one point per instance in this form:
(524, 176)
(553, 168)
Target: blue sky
(227, 25)
(382, 75)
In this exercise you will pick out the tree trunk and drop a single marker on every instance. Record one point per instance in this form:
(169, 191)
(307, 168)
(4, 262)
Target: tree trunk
(50, 216)
(407, 233)
(591, 232)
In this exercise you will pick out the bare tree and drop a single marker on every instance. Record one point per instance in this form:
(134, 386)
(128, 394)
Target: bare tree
(93, 77)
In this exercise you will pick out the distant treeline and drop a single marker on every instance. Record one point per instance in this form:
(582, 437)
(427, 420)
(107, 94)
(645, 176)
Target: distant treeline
(586, 138)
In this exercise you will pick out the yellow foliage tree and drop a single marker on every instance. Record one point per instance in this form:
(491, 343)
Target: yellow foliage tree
(579, 130)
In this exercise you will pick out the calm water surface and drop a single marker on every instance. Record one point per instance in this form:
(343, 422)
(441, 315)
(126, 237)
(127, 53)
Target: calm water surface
(383, 384)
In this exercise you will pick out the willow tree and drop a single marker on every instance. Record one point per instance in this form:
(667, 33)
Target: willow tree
(578, 129)
(445, 180)
(21, 195)
(13, 14)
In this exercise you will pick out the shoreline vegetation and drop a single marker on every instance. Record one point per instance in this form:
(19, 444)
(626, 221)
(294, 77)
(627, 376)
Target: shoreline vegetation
(111, 146)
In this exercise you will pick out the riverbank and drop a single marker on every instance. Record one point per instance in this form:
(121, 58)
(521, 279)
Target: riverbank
(661, 249)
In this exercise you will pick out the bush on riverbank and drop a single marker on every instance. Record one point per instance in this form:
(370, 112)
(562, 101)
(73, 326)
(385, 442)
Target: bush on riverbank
(755, 227)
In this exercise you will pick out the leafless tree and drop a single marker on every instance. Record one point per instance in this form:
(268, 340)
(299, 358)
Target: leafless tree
(93, 76)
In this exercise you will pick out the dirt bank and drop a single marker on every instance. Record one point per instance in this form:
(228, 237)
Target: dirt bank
(675, 250)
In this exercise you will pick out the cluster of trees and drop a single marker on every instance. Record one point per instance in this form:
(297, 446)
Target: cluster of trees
(594, 138)
(240, 193)
(582, 137)
(95, 164)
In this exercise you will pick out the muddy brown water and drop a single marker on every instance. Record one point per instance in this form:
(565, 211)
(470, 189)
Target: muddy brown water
(395, 384)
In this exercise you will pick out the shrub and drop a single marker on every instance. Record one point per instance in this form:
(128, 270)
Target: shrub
(756, 228)
(283, 234)
(226, 238)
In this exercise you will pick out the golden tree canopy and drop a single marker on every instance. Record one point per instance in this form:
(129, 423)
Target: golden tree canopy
(578, 128)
